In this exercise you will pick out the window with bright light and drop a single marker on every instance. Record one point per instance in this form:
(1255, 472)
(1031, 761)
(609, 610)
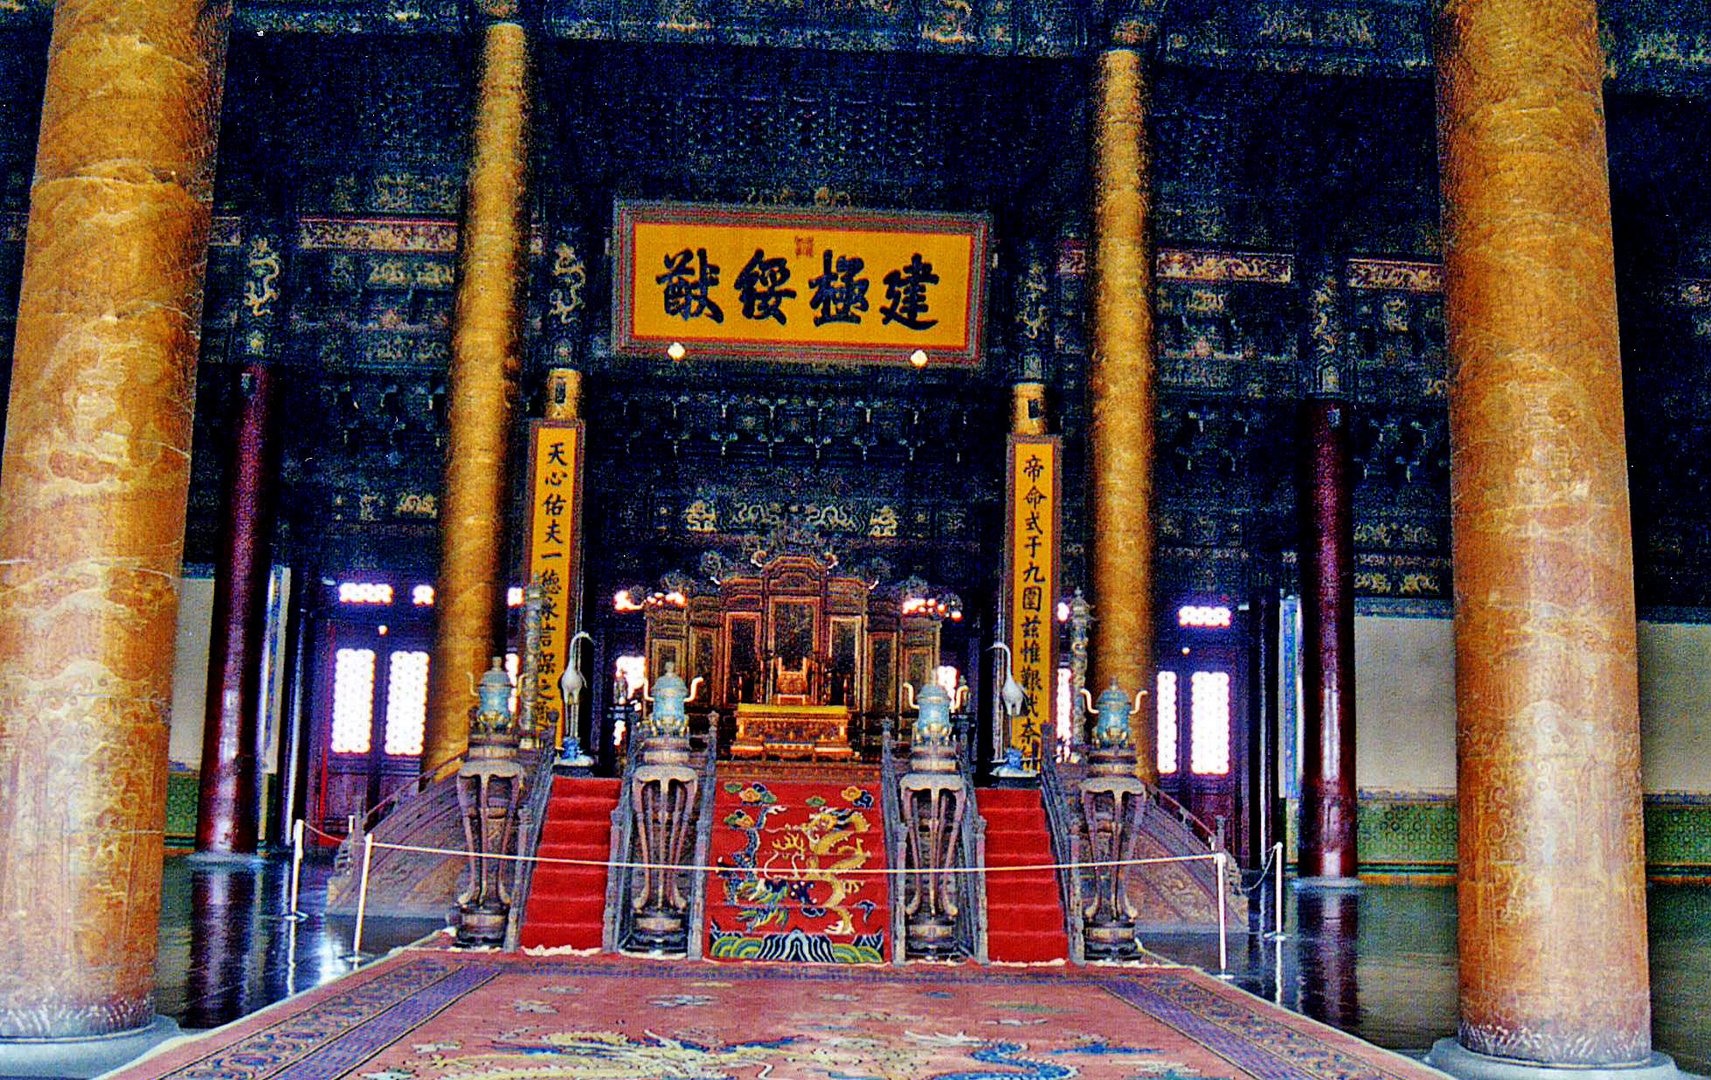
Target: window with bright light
(513, 667)
(1203, 616)
(946, 676)
(365, 592)
(422, 596)
(406, 702)
(1209, 718)
(353, 701)
(1065, 710)
(633, 670)
(1166, 722)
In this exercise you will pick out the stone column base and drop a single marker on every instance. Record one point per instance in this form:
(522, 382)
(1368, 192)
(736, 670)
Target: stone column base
(83, 1058)
(1464, 1064)
(1327, 884)
(237, 859)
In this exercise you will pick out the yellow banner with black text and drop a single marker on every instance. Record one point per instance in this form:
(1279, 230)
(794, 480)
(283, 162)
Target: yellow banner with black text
(553, 557)
(1033, 488)
(859, 286)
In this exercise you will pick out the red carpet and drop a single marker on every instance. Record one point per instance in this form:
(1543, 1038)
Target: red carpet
(1024, 916)
(781, 893)
(567, 904)
(489, 1016)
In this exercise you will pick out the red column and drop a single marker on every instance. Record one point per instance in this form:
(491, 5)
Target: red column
(229, 800)
(1327, 838)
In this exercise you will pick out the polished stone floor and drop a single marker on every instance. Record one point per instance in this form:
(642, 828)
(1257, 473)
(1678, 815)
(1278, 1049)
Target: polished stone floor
(224, 952)
(1379, 963)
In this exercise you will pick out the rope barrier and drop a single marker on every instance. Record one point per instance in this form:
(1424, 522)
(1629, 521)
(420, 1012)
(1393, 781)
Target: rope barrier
(697, 868)
(1264, 869)
(1219, 859)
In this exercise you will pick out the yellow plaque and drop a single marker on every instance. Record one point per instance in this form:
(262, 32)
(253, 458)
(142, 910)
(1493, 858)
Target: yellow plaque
(856, 286)
(1033, 488)
(554, 553)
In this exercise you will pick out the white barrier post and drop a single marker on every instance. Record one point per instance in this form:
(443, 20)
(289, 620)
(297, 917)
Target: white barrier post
(356, 957)
(291, 961)
(1223, 932)
(1277, 932)
(296, 867)
(1277, 975)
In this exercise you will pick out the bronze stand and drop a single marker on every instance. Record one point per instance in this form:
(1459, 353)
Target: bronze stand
(1112, 802)
(934, 801)
(662, 795)
(489, 787)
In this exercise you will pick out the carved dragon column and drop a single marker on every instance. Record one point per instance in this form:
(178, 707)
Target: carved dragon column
(1552, 891)
(486, 332)
(1120, 381)
(1032, 340)
(92, 505)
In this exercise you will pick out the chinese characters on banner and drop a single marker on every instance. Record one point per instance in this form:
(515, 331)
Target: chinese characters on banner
(851, 285)
(1030, 601)
(552, 558)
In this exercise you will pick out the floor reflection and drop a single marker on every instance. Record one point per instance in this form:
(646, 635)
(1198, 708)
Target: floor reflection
(1328, 978)
(1380, 963)
(225, 952)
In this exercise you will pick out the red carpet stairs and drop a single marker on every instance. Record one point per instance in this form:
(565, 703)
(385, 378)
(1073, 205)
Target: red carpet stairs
(1024, 915)
(567, 904)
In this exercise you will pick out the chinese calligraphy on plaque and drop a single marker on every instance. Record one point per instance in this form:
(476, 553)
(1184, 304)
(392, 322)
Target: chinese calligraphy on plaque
(851, 285)
(555, 483)
(1031, 561)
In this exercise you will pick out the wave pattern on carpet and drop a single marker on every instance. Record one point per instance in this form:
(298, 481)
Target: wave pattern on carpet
(782, 892)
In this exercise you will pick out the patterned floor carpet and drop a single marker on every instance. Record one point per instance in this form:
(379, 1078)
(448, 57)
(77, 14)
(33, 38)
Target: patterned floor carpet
(423, 1015)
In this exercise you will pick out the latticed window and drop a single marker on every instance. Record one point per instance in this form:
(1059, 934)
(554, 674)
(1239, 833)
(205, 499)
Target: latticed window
(353, 701)
(406, 702)
(1209, 716)
(365, 592)
(1167, 750)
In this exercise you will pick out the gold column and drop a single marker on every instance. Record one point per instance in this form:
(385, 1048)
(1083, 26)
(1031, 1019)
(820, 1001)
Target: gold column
(1551, 887)
(92, 504)
(564, 394)
(1028, 408)
(487, 327)
(1120, 385)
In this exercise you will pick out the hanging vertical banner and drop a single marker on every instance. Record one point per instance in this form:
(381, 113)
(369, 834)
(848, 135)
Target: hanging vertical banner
(553, 555)
(1033, 489)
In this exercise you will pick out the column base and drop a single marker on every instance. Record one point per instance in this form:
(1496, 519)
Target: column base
(1327, 884)
(1452, 1057)
(226, 858)
(82, 1058)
